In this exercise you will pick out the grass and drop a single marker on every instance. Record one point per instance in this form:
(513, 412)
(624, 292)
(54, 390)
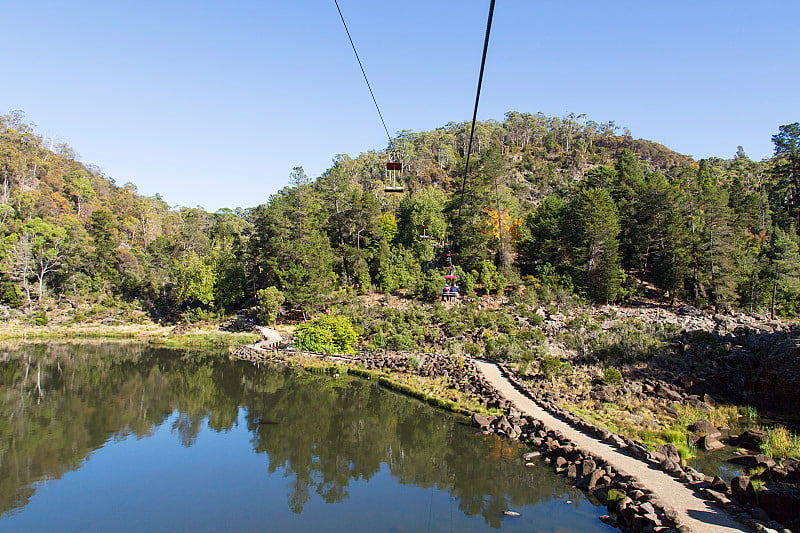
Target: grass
(644, 421)
(781, 442)
(153, 333)
(207, 338)
(720, 415)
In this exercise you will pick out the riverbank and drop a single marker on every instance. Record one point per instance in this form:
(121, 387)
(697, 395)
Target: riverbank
(168, 336)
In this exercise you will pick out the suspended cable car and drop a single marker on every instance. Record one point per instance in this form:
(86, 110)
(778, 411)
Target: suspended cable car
(424, 233)
(393, 171)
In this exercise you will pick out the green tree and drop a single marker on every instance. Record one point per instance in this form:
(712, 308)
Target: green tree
(783, 264)
(103, 231)
(194, 280)
(543, 241)
(269, 300)
(787, 169)
(595, 248)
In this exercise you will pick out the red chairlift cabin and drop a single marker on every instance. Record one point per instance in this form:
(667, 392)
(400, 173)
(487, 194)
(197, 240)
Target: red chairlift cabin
(424, 233)
(393, 170)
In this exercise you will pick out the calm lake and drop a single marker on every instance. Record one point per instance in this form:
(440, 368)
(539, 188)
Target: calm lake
(125, 437)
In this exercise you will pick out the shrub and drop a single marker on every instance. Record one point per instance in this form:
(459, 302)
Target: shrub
(269, 300)
(611, 376)
(326, 334)
(473, 349)
(40, 318)
(198, 314)
(429, 287)
(551, 366)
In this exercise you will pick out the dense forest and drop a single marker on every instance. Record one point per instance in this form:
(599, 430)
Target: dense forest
(565, 202)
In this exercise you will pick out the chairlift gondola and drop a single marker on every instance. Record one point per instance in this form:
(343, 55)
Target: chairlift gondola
(393, 171)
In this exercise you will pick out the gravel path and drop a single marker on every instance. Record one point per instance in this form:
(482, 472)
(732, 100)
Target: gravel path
(694, 512)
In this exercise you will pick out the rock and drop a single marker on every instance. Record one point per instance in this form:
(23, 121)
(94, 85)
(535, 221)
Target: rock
(760, 514)
(751, 439)
(587, 467)
(739, 486)
(480, 421)
(670, 451)
(657, 457)
(752, 461)
(560, 462)
(709, 444)
(718, 484)
(594, 478)
(531, 455)
(572, 471)
(704, 427)
(608, 520)
(668, 393)
(510, 513)
(781, 502)
(671, 467)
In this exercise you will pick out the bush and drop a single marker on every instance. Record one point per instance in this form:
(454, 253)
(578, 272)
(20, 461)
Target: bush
(612, 376)
(551, 366)
(473, 349)
(269, 300)
(429, 287)
(40, 318)
(327, 334)
(198, 314)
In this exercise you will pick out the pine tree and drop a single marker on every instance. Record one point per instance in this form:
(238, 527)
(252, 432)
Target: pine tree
(783, 264)
(594, 226)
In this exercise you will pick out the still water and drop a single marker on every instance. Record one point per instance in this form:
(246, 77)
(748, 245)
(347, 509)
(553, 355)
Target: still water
(124, 437)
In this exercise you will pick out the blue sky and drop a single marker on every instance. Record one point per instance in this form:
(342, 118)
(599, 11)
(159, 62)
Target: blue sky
(212, 103)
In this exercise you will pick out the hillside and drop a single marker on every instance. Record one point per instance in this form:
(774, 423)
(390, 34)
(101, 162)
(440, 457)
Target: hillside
(581, 208)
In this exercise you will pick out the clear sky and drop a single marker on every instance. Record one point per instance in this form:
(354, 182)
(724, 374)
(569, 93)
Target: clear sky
(212, 103)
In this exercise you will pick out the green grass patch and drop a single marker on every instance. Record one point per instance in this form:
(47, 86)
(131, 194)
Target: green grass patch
(781, 442)
(217, 339)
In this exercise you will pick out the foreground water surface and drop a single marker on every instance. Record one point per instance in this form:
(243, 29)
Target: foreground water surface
(125, 437)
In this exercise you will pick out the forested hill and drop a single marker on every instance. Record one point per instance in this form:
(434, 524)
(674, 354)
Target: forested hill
(562, 202)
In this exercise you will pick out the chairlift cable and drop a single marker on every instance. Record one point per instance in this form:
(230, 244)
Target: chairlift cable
(365, 74)
(475, 111)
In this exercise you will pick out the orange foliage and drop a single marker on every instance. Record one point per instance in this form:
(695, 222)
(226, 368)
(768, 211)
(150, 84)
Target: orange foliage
(511, 227)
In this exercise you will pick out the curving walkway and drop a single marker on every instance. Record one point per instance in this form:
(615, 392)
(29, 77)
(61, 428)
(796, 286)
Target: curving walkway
(694, 512)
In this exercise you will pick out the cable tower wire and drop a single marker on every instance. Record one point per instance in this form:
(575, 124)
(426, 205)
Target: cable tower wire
(475, 111)
(365, 74)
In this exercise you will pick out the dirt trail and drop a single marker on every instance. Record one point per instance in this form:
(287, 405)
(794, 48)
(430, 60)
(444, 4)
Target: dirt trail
(694, 512)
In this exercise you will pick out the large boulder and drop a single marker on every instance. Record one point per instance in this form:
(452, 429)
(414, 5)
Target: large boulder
(739, 486)
(670, 451)
(753, 461)
(480, 421)
(704, 427)
(751, 439)
(781, 502)
(709, 443)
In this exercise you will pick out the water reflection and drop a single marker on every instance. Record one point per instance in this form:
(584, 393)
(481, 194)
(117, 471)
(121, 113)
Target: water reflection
(61, 402)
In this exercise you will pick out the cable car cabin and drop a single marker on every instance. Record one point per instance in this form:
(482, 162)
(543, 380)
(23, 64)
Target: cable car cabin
(393, 170)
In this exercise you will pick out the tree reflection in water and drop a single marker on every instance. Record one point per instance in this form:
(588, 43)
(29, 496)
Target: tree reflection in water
(60, 402)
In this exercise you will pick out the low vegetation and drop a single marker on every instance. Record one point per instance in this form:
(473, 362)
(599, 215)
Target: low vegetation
(780, 442)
